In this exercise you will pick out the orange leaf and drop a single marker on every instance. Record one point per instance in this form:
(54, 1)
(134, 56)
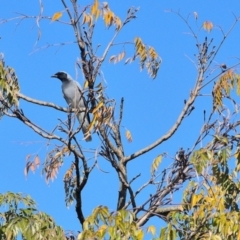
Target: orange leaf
(208, 26)
(56, 16)
(32, 167)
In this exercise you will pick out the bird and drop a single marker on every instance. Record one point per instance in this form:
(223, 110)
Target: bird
(73, 95)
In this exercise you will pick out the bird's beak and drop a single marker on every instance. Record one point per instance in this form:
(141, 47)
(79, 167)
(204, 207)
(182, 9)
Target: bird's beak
(54, 76)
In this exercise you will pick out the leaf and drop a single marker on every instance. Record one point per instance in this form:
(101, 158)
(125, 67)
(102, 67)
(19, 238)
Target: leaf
(148, 57)
(108, 18)
(94, 10)
(129, 136)
(208, 26)
(156, 163)
(100, 104)
(37, 161)
(85, 85)
(112, 58)
(237, 77)
(152, 53)
(139, 234)
(87, 19)
(92, 123)
(56, 16)
(118, 23)
(129, 60)
(117, 58)
(68, 174)
(151, 229)
(195, 15)
(29, 165)
(194, 200)
(28, 157)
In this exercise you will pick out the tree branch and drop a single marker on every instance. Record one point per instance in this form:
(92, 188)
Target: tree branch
(176, 125)
(48, 104)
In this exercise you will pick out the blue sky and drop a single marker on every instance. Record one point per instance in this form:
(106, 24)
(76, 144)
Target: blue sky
(150, 106)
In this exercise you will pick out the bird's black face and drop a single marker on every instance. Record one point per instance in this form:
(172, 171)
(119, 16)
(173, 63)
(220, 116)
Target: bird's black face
(60, 75)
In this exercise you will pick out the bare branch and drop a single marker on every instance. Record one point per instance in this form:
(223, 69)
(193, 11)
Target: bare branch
(48, 104)
(174, 128)
(33, 126)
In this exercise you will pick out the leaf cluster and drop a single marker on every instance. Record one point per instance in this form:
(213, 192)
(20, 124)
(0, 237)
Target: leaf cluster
(21, 218)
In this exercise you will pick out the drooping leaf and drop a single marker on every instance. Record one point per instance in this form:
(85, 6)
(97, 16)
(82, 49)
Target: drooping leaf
(117, 58)
(37, 160)
(95, 11)
(88, 19)
(156, 163)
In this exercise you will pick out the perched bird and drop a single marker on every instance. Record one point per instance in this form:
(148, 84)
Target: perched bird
(73, 95)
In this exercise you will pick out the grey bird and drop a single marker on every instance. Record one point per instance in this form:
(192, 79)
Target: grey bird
(72, 93)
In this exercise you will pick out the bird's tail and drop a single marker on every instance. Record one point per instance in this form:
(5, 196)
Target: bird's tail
(83, 118)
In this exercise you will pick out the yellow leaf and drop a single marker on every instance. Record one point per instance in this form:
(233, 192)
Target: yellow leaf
(87, 19)
(139, 234)
(85, 85)
(118, 23)
(156, 163)
(100, 104)
(208, 26)
(238, 236)
(91, 125)
(56, 16)
(152, 53)
(102, 230)
(108, 18)
(194, 200)
(151, 229)
(94, 10)
(128, 136)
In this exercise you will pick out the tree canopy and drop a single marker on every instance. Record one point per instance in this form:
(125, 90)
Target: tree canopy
(164, 157)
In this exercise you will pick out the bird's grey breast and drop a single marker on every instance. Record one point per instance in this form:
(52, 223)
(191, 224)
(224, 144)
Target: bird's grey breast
(71, 93)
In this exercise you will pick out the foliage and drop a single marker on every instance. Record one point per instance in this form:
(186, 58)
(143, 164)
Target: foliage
(8, 87)
(20, 217)
(209, 209)
(102, 224)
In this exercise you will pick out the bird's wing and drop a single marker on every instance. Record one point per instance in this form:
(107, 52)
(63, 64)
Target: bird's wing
(82, 102)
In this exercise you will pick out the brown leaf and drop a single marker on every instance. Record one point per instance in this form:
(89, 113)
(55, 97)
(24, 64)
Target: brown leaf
(112, 58)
